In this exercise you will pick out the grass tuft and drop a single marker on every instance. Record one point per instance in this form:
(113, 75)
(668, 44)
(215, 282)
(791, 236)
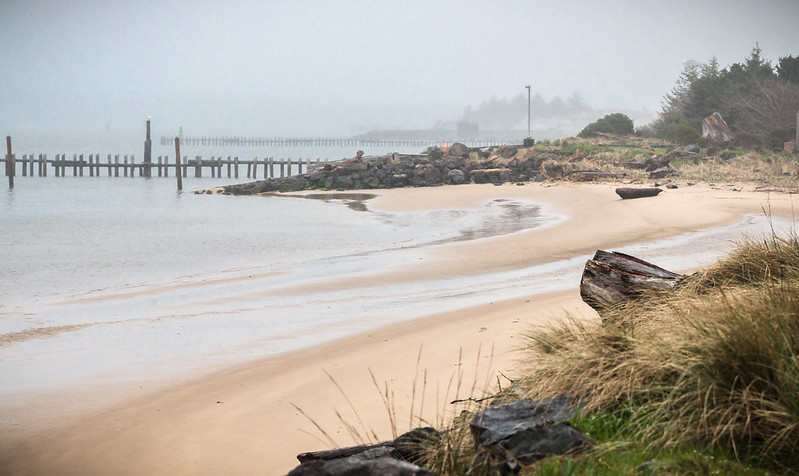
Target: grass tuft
(712, 366)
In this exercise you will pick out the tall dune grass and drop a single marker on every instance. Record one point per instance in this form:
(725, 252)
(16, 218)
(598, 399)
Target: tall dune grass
(714, 364)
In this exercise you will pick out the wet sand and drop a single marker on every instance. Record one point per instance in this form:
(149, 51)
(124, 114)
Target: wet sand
(251, 419)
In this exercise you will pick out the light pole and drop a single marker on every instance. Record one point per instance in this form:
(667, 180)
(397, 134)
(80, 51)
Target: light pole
(528, 141)
(528, 110)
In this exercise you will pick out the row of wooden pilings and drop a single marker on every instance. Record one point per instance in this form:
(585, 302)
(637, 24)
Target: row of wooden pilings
(126, 166)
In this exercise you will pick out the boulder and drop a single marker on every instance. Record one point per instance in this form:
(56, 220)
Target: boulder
(363, 467)
(508, 151)
(435, 153)
(692, 148)
(528, 430)
(714, 128)
(413, 445)
(663, 172)
(458, 150)
(456, 176)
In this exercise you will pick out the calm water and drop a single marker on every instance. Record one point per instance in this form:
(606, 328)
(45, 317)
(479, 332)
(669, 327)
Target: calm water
(120, 277)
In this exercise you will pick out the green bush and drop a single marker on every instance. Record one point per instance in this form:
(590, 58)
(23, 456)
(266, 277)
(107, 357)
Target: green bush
(680, 133)
(616, 123)
(777, 137)
(747, 140)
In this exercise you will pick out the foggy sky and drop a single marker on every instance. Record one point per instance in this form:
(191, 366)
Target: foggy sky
(337, 68)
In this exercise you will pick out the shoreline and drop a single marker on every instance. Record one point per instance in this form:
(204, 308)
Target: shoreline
(191, 428)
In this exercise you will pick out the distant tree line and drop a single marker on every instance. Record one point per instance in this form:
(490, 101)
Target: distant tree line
(506, 114)
(758, 101)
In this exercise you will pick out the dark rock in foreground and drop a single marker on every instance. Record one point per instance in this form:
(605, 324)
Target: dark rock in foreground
(526, 431)
(352, 466)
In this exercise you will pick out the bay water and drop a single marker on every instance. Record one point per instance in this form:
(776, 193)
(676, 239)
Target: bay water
(112, 281)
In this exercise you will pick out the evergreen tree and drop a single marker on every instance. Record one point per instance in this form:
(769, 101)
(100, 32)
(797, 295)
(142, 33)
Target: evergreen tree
(788, 69)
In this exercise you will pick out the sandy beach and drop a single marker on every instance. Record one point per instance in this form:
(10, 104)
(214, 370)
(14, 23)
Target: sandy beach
(255, 418)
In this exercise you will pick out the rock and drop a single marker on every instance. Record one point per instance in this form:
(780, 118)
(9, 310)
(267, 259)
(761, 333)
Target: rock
(692, 148)
(435, 153)
(714, 127)
(413, 445)
(663, 172)
(352, 466)
(508, 151)
(458, 150)
(525, 431)
(456, 176)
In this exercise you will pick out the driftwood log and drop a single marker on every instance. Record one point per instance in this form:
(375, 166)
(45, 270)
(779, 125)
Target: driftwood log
(630, 192)
(611, 278)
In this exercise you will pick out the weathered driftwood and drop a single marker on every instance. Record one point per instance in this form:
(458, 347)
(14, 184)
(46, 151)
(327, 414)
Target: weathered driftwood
(629, 192)
(588, 175)
(611, 278)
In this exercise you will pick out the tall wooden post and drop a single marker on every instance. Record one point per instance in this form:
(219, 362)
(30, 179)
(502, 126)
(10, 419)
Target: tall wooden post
(148, 151)
(177, 164)
(10, 168)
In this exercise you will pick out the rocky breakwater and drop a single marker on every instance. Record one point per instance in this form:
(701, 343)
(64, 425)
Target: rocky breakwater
(460, 164)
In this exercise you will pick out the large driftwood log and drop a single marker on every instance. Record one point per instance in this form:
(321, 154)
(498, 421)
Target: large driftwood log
(627, 193)
(611, 278)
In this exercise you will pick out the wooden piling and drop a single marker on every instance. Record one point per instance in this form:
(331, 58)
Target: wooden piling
(288, 167)
(236, 166)
(177, 164)
(282, 168)
(272, 167)
(198, 166)
(9, 163)
(255, 167)
(91, 165)
(148, 148)
(132, 165)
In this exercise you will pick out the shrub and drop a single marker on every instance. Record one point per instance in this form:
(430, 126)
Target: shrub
(747, 140)
(778, 136)
(680, 133)
(616, 123)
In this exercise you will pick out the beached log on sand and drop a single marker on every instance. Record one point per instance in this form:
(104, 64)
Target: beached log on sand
(629, 192)
(611, 278)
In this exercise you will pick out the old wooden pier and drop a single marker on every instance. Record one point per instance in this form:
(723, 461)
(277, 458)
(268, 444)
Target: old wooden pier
(323, 142)
(93, 165)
